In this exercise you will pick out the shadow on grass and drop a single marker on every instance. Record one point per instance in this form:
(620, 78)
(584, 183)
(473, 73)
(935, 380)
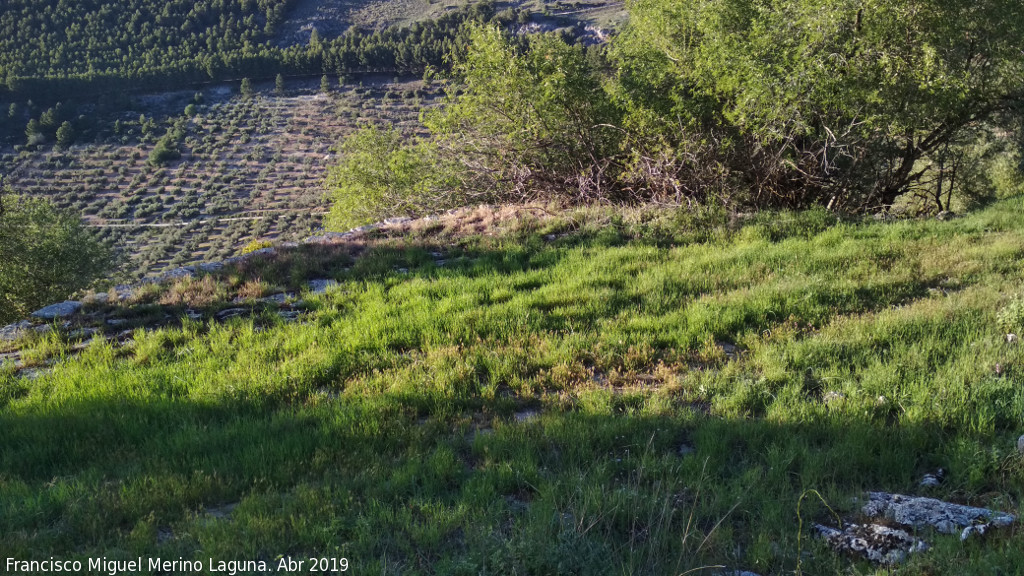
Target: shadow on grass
(373, 479)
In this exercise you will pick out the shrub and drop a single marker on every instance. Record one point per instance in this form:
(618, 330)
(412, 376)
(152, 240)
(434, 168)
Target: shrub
(817, 101)
(45, 255)
(379, 175)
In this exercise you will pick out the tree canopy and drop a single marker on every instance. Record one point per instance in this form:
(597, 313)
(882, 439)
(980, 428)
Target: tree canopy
(45, 255)
(851, 104)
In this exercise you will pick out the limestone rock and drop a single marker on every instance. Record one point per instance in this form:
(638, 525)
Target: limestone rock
(933, 480)
(877, 543)
(279, 299)
(15, 331)
(833, 396)
(59, 310)
(320, 285)
(231, 313)
(920, 512)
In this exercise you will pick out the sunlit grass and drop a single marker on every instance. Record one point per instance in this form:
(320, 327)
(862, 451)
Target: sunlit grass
(638, 394)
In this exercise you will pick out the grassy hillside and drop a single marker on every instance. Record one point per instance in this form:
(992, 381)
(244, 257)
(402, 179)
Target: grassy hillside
(589, 393)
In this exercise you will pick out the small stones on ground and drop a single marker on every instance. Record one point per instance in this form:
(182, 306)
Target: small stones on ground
(15, 331)
(730, 350)
(1011, 338)
(116, 321)
(934, 479)
(320, 285)
(32, 373)
(59, 310)
(231, 313)
(920, 512)
(178, 274)
(974, 531)
(279, 299)
(877, 543)
(82, 333)
(221, 512)
(100, 298)
(832, 396)
(289, 315)
(526, 415)
(164, 535)
(1020, 444)
(685, 449)
(193, 314)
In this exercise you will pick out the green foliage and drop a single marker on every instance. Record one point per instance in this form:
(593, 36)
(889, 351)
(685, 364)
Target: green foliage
(159, 46)
(166, 149)
(1011, 316)
(810, 102)
(256, 245)
(45, 255)
(65, 135)
(246, 88)
(379, 174)
(34, 133)
(43, 37)
(520, 122)
(527, 120)
(545, 406)
(279, 85)
(807, 100)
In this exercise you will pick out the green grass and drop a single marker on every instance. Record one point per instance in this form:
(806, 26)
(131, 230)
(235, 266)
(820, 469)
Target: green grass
(392, 427)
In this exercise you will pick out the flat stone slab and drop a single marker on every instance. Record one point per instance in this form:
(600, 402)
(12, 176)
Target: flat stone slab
(279, 299)
(14, 331)
(59, 310)
(919, 512)
(321, 285)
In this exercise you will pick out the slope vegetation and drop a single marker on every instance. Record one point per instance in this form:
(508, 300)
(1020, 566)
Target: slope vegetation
(509, 391)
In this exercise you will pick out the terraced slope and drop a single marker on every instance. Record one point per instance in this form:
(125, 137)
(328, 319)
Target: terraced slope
(251, 169)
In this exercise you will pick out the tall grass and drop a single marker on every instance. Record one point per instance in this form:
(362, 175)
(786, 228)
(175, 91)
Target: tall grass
(691, 380)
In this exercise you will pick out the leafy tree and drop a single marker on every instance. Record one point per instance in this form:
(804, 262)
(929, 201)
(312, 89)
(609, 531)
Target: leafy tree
(379, 174)
(65, 135)
(527, 120)
(45, 255)
(521, 122)
(34, 132)
(246, 88)
(279, 85)
(325, 84)
(803, 101)
(166, 149)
